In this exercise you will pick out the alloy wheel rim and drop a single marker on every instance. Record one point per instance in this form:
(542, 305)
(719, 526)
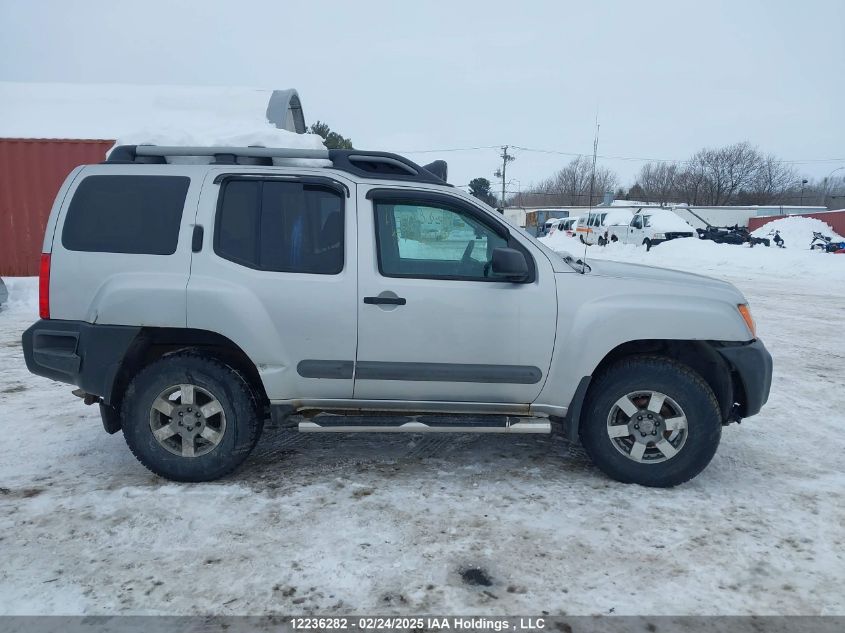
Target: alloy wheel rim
(187, 420)
(647, 426)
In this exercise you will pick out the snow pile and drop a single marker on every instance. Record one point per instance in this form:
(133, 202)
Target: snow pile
(227, 135)
(143, 114)
(796, 231)
(23, 295)
(707, 257)
(559, 241)
(106, 111)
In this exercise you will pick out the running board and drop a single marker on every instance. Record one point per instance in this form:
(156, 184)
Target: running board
(424, 424)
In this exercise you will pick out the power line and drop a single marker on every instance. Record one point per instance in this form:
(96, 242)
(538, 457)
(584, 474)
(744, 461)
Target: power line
(602, 156)
(452, 149)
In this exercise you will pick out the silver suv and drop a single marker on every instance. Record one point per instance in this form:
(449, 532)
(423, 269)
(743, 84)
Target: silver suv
(194, 293)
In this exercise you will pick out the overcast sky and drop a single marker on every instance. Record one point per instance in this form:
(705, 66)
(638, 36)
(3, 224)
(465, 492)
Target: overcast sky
(665, 78)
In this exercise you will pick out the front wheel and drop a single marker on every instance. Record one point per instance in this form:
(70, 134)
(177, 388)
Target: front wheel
(647, 244)
(189, 417)
(651, 421)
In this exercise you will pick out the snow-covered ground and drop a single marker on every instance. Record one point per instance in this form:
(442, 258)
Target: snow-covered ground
(387, 523)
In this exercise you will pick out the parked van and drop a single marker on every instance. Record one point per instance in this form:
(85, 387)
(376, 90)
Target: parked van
(567, 225)
(550, 226)
(594, 229)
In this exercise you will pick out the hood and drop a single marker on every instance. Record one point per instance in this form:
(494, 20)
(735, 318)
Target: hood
(638, 272)
(667, 221)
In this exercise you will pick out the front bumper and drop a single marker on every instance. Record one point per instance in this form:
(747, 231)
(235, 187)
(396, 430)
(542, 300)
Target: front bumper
(670, 236)
(752, 364)
(78, 353)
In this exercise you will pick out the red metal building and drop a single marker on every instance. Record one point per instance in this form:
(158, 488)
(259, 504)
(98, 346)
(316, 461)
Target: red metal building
(31, 172)
(43, 127)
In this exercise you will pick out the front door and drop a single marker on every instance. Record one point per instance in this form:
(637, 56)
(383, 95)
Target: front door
(434, 321)
(635, 230)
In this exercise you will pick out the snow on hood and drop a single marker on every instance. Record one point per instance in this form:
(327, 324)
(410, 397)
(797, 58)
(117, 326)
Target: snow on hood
(618, 216)
(663, 221)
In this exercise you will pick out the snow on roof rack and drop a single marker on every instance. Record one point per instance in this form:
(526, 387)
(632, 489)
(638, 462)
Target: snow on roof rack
(382, 165)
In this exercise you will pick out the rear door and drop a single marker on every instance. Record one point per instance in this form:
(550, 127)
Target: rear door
(276, 274)
(121, 251)
(435, 324)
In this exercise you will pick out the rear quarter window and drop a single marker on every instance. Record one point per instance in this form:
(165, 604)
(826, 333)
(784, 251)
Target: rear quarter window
(126, 214)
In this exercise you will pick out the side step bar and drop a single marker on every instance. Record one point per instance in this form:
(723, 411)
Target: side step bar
(424, 424)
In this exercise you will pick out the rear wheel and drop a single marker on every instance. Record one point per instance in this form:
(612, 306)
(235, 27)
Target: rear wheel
(651, 421)
(188, 417)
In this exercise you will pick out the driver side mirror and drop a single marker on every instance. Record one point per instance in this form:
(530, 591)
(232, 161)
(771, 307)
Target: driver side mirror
(509, 263)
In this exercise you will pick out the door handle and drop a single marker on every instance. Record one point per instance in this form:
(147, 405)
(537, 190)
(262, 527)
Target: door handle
(196, 239)
(390, 301)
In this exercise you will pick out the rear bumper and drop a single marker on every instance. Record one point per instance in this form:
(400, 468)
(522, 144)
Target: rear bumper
(78, 353)
(752, 364)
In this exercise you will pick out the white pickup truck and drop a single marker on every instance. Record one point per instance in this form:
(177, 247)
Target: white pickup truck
(649, 227)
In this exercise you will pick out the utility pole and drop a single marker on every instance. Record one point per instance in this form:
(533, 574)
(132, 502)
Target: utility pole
(501, 173)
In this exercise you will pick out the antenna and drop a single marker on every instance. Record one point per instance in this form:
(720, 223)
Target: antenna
(592, 185)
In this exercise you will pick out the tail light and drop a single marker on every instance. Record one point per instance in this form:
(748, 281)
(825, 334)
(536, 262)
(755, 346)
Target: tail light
(44, 286)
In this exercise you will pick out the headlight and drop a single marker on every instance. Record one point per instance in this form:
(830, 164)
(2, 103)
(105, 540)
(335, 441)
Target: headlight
(660, 236)
(749, 320)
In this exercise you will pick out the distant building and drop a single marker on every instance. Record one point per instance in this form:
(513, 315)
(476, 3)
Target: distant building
(48, 129)
(533, 218)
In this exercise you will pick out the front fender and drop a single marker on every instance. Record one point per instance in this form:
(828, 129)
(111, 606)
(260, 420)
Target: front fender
(596, 316)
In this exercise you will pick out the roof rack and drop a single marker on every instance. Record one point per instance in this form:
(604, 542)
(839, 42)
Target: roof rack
(381, 165)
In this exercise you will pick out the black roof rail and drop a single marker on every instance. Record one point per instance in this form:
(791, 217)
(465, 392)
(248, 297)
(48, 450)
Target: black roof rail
(382, 165)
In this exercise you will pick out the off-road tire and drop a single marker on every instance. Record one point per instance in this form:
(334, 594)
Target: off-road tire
(240, 406)
(677, 381)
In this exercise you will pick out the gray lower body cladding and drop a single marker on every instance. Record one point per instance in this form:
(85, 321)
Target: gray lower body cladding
(78, 353)
(752, 364)
(433, 372)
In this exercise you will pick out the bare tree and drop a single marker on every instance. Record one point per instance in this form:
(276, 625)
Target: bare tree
(571, 186)
(772, 183)
(734, 174)
(659, 182)
(728, 170)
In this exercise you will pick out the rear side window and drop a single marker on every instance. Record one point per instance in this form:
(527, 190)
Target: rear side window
(280, 226)
(126, 214)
